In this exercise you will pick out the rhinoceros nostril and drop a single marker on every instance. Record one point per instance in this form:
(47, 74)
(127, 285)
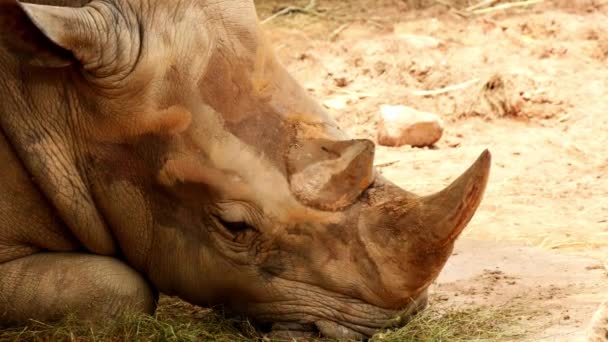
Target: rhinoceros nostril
(261, 327)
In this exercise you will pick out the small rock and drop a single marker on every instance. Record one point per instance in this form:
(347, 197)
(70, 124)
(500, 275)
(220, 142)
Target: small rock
(336, 103)
(401, 125)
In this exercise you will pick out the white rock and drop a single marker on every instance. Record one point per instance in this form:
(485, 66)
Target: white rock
(401, 125)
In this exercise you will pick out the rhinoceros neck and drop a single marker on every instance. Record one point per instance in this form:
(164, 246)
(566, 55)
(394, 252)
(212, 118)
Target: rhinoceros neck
(28, 222)
(37, 117)
(181, 266)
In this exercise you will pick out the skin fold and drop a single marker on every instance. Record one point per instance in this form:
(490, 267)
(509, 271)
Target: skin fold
(158, 146)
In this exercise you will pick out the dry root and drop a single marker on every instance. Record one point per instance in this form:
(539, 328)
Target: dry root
(486, 6)
(308, 9)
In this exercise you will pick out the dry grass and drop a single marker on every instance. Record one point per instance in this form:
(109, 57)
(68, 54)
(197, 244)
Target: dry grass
(461, 324)
(173, 321)
(178, 321)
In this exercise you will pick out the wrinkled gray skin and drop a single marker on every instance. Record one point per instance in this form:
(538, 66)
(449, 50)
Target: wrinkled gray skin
(157, 146)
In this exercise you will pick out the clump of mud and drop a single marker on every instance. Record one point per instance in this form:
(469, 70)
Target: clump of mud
(515, 96)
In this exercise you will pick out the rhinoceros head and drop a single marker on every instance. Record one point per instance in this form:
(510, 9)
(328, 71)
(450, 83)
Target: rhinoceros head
(211, 171)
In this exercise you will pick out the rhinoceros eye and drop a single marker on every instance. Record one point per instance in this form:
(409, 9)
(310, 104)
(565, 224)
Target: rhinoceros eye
(234, 227)
(240, 231)
(234, 217)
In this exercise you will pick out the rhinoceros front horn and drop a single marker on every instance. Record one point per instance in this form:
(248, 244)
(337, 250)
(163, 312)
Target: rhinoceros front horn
(446, 213)
(330, 175)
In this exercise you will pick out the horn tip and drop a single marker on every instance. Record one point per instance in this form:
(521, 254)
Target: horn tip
(486, 155)
(484, 161)
(479, 172)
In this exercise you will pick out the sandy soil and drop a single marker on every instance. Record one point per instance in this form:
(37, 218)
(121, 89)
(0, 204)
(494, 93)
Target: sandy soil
(530, 84)
(553, 296)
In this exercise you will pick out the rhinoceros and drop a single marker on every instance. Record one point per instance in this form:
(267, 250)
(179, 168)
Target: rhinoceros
(154, 146)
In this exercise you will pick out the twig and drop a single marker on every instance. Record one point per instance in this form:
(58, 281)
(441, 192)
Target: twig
(359, 94)
(484, 3)
(336, 32)
(308, 9)
(506, 6)
(447, 89)
(481, 7)
(574, 244)
(452, 8)
(41, 323)
(388, 164)
(564, 117)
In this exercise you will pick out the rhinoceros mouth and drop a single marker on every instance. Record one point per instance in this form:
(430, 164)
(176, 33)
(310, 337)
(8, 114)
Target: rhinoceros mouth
(336, 330)
(320, 328)
(309, 326)
(362, 328)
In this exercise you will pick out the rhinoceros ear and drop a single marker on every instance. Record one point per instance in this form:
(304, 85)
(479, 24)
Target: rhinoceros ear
(44, 35)
(330, 175)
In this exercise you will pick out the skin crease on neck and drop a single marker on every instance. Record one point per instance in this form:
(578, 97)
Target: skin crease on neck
(167, 138)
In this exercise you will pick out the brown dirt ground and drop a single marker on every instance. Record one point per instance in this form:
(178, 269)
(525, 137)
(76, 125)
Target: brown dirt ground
(531, 84)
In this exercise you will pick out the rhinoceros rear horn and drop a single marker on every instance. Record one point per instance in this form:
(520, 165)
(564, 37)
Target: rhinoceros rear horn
(330, 175)
(43, 35)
